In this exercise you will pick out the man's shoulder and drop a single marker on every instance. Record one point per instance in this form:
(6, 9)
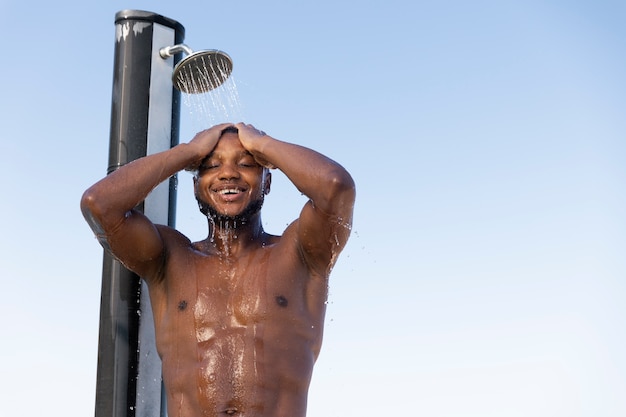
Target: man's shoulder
(172, 236)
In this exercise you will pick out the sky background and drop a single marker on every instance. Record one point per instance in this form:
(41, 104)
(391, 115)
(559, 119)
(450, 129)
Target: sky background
(486, 273)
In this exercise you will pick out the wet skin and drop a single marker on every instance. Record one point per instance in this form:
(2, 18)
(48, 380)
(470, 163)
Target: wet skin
(238, 316)
(249, 333)
(240, 347)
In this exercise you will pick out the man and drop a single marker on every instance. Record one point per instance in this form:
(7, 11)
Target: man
(238, 316)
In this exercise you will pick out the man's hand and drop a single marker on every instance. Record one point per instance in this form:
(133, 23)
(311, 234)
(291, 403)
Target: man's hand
(251, 139)
(204, 142)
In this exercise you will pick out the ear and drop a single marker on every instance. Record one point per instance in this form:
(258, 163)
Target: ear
(267, 185)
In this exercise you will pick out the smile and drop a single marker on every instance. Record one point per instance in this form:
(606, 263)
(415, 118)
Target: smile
(229, 191)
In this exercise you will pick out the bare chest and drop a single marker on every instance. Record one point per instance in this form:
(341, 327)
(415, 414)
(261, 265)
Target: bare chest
(215, 293)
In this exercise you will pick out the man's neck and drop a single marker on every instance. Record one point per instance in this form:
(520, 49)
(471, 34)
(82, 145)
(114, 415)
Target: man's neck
(232, 237)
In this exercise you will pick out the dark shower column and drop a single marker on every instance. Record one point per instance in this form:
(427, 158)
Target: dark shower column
(144, 120)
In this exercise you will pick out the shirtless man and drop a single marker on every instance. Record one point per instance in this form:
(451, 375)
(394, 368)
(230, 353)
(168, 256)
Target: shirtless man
(238, 316)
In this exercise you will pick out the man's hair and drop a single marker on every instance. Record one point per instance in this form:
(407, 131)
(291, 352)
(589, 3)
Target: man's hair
(230, 129)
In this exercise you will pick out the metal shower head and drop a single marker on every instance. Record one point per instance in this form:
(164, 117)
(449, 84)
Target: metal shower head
(199, 71)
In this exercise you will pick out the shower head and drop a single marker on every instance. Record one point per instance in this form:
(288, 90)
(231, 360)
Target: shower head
(199, 71)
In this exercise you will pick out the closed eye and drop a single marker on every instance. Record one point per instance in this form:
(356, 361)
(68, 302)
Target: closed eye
(205, 167)
(248, 162)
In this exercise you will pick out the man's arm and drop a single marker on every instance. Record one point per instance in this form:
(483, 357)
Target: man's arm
(108, 205)
(325, 222)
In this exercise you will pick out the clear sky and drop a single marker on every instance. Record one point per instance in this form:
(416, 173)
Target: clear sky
(486, 273)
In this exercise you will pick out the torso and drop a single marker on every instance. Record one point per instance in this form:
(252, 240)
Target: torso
(237, 336)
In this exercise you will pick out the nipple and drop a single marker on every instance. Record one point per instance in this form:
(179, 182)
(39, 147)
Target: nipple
(282, 301)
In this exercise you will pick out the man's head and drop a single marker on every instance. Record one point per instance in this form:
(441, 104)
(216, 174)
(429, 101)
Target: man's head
(230, 185)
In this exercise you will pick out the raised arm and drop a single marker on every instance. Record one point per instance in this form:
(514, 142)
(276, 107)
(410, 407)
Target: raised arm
(109, 205)
(325, 222)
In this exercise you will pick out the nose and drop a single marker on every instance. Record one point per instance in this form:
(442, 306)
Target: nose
(228, 171)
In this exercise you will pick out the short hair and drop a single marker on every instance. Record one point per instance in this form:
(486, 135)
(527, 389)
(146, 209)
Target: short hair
(230, 129)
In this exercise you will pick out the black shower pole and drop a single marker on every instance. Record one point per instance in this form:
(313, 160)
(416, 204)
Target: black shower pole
(144, 120)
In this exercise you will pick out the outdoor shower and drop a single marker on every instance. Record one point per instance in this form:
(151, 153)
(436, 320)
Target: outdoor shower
(148, 78)
(199, 71)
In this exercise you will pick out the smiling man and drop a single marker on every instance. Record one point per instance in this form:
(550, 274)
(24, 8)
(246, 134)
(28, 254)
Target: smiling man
(238, 316)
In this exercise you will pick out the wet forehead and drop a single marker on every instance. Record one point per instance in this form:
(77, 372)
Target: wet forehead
(229, 146)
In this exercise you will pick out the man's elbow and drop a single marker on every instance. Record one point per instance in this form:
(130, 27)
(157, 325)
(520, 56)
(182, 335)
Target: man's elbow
(341, 190)
(88, 201)
(92, 208)
(344, 183)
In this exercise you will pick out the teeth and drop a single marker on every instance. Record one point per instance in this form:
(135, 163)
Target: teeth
(229, 191)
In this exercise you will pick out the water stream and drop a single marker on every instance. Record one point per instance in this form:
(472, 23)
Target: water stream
(219, 104)
(231, 352)
(231, 299)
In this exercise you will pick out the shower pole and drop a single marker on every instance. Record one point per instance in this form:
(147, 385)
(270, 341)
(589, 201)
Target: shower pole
(145, 116)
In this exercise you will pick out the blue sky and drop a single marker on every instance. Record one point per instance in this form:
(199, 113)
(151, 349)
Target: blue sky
(485, 275)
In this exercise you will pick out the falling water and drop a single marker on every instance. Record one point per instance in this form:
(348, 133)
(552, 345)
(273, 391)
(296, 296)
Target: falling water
(210, 94)
(209, 100)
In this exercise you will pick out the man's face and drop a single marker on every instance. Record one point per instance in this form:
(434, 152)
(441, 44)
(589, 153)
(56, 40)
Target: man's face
(230, 184)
